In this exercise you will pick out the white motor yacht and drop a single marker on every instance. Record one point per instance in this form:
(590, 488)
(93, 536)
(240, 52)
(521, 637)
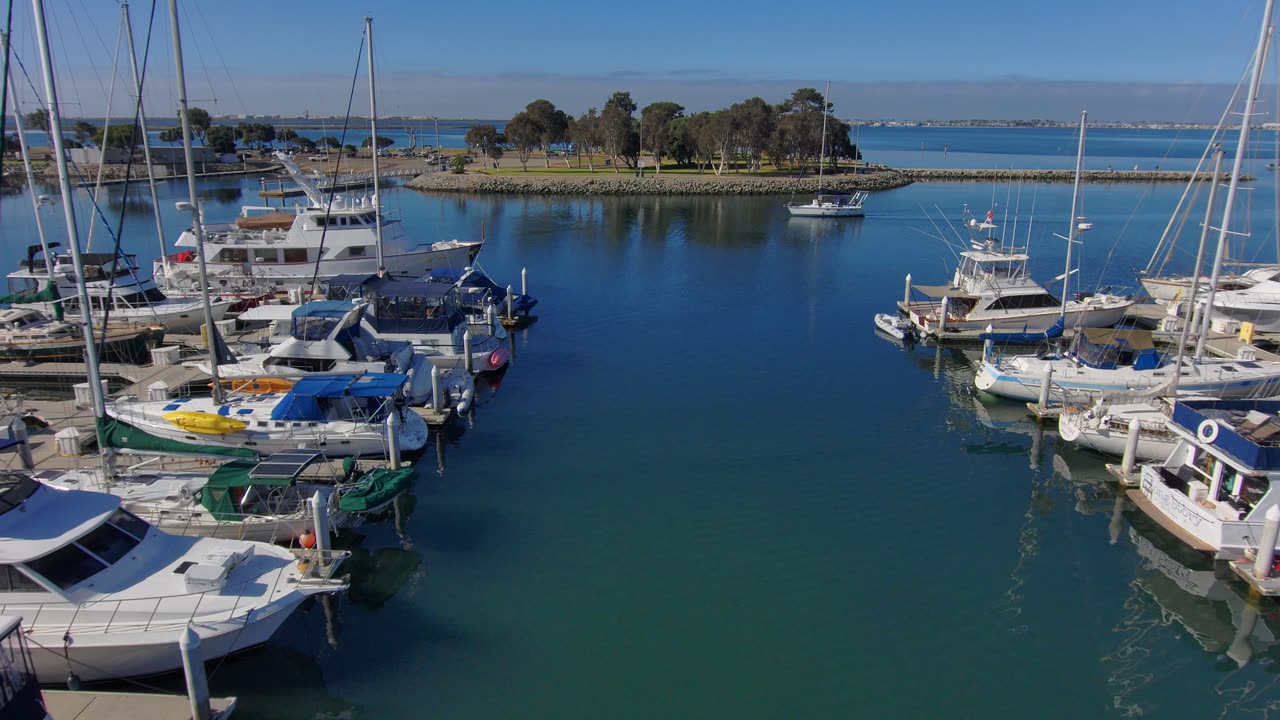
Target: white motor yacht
(270, 249)
(991, 287)
(105, 595)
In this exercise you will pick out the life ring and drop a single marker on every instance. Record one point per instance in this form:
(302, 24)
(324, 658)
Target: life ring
(1208, 431)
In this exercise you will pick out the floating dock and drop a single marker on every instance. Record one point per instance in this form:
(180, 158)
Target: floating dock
(89, 705)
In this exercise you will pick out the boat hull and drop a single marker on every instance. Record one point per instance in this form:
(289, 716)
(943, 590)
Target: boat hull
(810, 211)
(1025, 384)
(106, 656)
(1107, 440)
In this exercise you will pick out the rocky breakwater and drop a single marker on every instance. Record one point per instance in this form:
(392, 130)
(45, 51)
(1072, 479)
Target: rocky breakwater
(608, 183)
(1052, 176)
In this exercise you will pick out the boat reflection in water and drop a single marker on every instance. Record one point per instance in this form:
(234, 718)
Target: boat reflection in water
(1179, 593)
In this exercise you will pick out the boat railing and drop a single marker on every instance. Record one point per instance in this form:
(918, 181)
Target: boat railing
(162, 611)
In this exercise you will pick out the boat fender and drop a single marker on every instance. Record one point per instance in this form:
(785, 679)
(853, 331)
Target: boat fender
(1208, 431)
(185, 495)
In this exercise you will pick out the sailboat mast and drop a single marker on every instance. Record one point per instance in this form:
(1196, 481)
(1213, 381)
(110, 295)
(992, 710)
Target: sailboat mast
(1242, 144)
(1071, 229)
(1195, 274)
(822, 154)
(373, 143)
(197, 221)
(146, 139)
(69, 211)
(26, 166)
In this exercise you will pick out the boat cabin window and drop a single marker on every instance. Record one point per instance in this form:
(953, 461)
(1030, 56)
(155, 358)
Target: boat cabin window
(266, 255)
(357, 251)
(12, 579)
(23, 286)
(1024, 302)
(67, 566)
(108, 542)
(15, 489)
(295, 255)
(232, 255)
(92, 552)
(130, 523)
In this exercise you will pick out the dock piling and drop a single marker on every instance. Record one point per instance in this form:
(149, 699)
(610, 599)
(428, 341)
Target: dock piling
(511, 303)
(193, 669)
(524, 281)
(436, 401)
(1267, 545)
(1043, 401)
(988, 344)
(906, 296)
(466, 350)
(942, 316)
(393, 438)
(1130, 448)
(320, 512)
(17, 431)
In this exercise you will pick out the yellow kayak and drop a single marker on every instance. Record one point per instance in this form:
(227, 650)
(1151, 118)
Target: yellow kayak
(203, 422)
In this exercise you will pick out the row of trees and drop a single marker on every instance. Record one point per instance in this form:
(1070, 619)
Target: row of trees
(222, 138)
(788, 134)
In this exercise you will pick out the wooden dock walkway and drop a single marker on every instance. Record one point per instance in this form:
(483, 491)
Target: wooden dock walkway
(90, 705)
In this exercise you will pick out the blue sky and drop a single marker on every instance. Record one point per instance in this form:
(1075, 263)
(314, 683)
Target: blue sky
(911, 60)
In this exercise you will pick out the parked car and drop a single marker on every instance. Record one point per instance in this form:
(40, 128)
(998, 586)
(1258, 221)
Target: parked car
(318, 158)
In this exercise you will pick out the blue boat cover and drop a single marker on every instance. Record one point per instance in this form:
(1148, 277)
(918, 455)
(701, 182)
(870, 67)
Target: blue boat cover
(377, 384)
(302, 403)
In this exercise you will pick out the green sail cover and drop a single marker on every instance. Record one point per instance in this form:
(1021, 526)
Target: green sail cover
(374, 489)
(118, 435)
(217, 495)
(49, 294)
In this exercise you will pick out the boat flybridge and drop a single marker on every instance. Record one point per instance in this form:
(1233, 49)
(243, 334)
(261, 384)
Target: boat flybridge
(1215, 488)
(104, 595)
(991, 287)
(117, 292)
(270, 249)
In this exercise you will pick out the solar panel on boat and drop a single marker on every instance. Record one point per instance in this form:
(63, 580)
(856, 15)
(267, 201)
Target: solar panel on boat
(287, 463)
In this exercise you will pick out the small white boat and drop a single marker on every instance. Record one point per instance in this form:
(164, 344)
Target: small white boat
(894, 325)
(831, 203)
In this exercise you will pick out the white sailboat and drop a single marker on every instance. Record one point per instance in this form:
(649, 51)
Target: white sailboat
(829, 203)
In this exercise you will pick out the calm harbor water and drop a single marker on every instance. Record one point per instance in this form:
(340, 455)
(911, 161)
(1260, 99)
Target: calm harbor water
(707, 488)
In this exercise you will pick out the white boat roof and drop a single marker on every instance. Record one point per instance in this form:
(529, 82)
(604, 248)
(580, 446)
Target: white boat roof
(269, 313)
(49, 519)
(983, 256)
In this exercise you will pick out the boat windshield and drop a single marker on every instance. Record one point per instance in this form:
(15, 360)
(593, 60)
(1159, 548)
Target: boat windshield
(15, 489)
(92, 552)
(314, 328)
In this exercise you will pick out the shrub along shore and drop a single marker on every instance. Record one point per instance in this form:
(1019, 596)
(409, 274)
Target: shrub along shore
(608, 183)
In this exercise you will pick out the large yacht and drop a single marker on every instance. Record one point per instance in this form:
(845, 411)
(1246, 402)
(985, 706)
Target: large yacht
(269, 249)
(105, 595)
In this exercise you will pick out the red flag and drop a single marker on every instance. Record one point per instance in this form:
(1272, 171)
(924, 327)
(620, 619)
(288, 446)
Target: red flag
(991, 215)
